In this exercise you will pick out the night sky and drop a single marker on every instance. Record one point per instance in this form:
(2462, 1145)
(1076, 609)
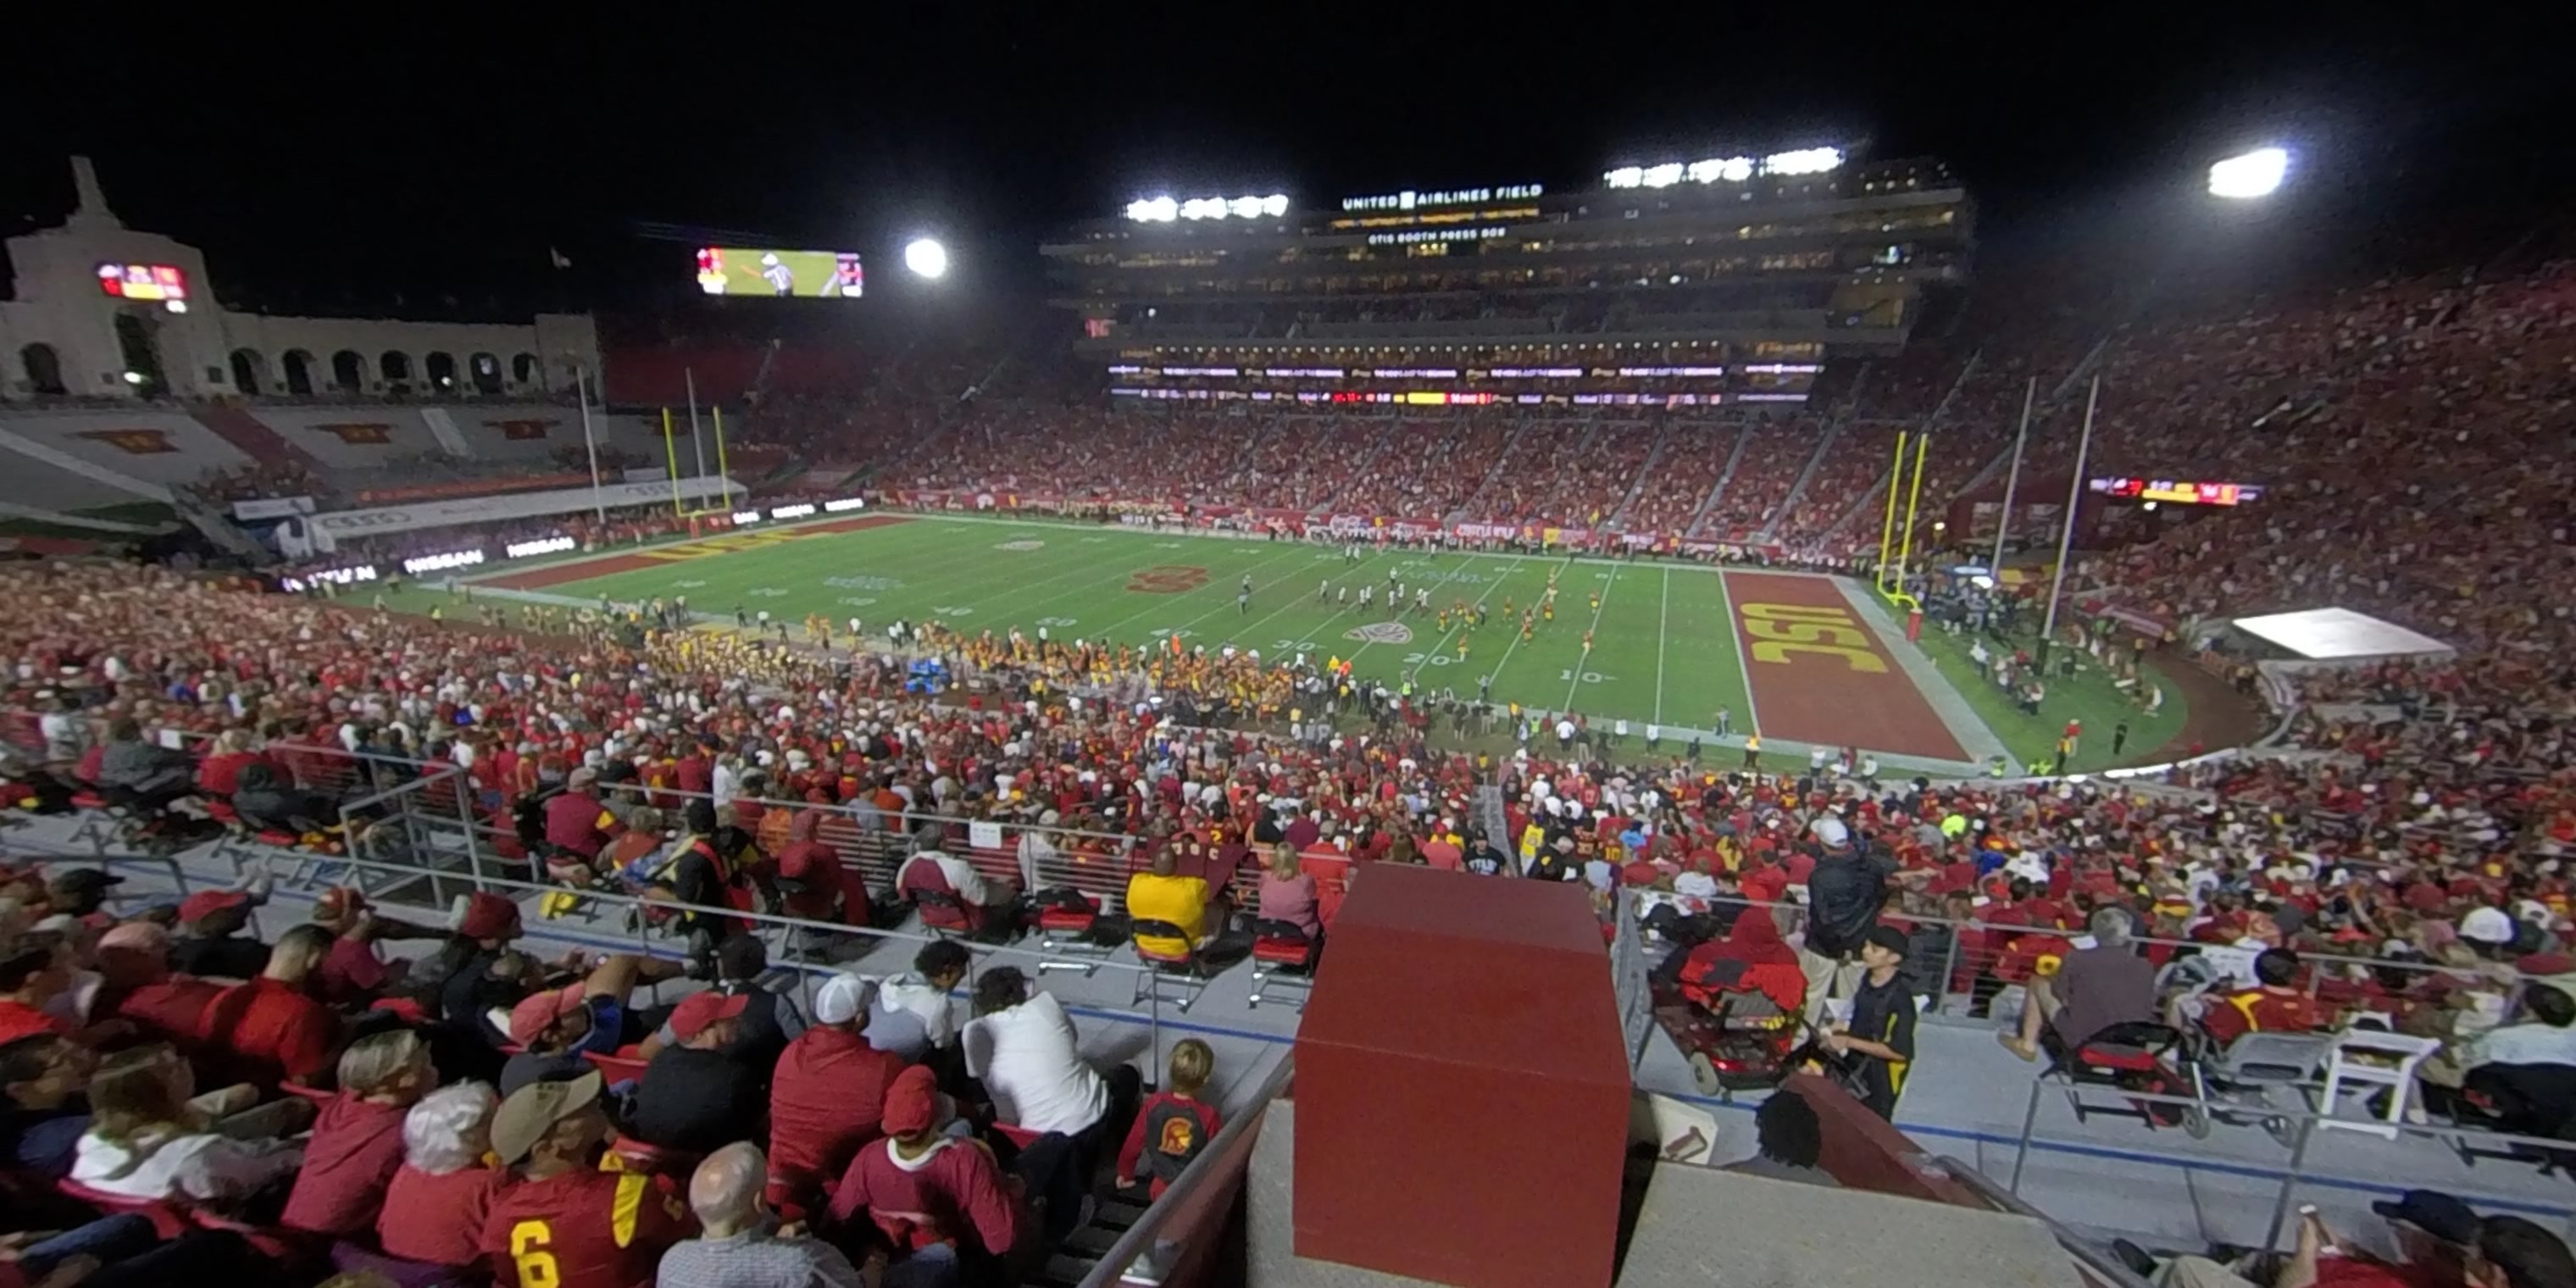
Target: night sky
(424, 159)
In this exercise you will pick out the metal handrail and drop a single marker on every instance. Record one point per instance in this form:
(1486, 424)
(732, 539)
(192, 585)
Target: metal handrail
(1953, 924)
(638, 904)
(2309, 1122)
(899, 823)
(2096, 1260)
(1201, 1172)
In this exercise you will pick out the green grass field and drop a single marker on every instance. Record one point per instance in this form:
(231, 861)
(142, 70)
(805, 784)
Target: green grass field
(1665, 649)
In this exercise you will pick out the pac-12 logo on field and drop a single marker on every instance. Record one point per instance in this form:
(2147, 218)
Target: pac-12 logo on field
(1381, 633)
(1021, 545)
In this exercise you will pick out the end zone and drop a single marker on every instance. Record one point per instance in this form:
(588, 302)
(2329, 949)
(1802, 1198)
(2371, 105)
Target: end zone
(1819, 672)
(573, 570)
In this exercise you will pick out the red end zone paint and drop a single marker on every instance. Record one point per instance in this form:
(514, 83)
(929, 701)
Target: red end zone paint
(665, 556)
(1820, 673)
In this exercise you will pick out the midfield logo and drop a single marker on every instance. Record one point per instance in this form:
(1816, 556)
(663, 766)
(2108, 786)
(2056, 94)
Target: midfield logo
(140, 442)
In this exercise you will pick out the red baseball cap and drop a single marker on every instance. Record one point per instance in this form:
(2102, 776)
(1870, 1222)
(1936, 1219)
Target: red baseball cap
(484, 915)
(695, 1015)
(531, 1016)
(206, 903)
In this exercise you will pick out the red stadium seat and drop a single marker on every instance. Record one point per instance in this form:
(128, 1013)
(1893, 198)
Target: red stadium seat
(1283, 955)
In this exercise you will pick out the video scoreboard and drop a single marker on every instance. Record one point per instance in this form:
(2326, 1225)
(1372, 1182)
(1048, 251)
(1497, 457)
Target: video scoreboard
(2177, 492)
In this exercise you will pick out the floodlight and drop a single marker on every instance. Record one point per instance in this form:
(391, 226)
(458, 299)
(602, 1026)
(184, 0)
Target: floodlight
(2255, 174)
(925, 257)
(1802, 161)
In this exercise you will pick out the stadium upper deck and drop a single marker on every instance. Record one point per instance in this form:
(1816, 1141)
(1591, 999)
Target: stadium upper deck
(1731, 279)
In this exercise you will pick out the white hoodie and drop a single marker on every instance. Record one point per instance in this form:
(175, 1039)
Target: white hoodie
(168, 1164)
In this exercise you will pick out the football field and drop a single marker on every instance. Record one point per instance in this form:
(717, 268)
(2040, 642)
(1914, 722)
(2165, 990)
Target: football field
(1804, 659)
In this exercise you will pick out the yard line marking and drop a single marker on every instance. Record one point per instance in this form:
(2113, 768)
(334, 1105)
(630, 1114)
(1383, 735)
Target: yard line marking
(1105, 631)
(1256, 589)
(1013, 588)
(1663, 631)
(1752, 712)
(1400, 610)
(1291, 602)
(1499, 579)
(1322, 632)
(1586, 656)
(1515, 636)
(1013, 576)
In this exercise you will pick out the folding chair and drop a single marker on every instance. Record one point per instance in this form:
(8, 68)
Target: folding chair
(1285, 954)
(1184, 969)
(943, 912)
(2237, 1082)
(1064, 938)
(2140, 1056)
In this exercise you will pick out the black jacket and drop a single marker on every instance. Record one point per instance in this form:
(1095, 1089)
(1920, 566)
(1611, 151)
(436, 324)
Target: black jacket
(1844, 895)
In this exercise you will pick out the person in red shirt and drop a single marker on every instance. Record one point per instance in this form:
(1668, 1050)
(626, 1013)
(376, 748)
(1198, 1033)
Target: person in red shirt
(926, 1193)
(1177, 1123)
(354, 972)
(696, 772)
(818, 886)
(828, 1090)
(220, 772)
(2274, 1005)
(33, 970)
(136, 985)
(564, 1223)
(438, 1200)
(573, 816)
(270, 1029)
(357, 1140)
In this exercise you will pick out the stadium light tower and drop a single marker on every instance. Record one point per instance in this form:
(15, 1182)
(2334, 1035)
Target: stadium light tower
(926, 257)
(2251, 175)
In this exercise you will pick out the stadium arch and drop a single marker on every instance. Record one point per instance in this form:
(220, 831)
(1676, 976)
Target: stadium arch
(250, 372)
(348, 372)
(438, 368)
(524, 370)
(484, 370)
(44, 369)
(395, 367)
(297, 371)
(138, 342)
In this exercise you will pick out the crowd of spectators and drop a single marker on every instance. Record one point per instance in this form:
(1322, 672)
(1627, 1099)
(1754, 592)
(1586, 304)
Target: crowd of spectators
(2411, 436)
(1774, 454)
(1430, 469)
(1690, 459)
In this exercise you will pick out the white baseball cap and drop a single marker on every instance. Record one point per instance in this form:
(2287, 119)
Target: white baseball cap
(2487, 926)
(843, 998)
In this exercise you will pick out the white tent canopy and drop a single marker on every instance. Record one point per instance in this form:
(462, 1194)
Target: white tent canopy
(2339, 635)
